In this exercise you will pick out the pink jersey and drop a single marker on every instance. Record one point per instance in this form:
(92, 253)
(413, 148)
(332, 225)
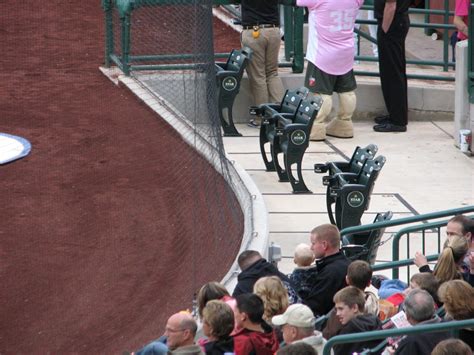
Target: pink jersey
(330, 37)
(462, 10)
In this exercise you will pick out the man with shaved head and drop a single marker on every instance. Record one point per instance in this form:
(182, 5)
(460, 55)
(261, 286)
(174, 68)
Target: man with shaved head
(180, 331)
(329, 275)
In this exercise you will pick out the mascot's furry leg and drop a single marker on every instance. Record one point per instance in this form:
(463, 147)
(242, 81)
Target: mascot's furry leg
(341, 126)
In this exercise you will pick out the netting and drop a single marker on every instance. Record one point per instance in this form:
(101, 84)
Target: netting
(116, 218)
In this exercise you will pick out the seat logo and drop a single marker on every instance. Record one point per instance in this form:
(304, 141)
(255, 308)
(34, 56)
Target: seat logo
(298, 137)
(355, 199)
(229, 83)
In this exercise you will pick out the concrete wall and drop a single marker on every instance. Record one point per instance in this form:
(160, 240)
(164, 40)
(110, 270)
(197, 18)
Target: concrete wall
(426, 100)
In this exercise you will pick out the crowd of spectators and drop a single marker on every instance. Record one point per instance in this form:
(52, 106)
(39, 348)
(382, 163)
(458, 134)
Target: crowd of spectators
(325, 296)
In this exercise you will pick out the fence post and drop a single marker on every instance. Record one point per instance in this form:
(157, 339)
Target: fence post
(109, 31)
(125, 23)
(288, 30)
(298, 57)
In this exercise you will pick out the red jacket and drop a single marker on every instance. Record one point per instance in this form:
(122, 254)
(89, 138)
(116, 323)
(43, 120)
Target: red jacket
(248, 342)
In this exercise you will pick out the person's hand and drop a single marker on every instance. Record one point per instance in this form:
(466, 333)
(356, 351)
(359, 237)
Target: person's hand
(389, 350)
(420, 259)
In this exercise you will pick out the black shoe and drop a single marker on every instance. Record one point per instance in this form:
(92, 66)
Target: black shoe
(253, 124)
(389, 127)
(376, 280)
(382, 119)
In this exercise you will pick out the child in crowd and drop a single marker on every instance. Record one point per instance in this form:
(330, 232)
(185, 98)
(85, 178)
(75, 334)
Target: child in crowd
(303, 258)
(359, 274)
(350, 304)
(394, 303)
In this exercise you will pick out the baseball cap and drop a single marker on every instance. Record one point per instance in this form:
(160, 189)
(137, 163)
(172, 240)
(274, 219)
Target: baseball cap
(297, 315)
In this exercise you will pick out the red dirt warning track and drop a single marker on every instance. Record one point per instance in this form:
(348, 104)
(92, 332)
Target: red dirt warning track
(97, 245)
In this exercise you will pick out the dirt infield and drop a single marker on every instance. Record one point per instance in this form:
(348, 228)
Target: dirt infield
(98, 243)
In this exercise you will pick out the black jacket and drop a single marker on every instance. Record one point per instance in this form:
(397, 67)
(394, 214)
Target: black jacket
(359, 324)
(249, 276)
(421, 344)
(328, 277)
(220, 347)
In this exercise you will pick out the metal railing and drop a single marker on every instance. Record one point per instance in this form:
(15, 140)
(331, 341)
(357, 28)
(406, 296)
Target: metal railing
(427, 224)
(381, 334)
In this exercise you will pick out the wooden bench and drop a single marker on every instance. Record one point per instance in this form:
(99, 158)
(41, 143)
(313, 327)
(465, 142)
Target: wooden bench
(350, 193)
(229, 75)
(268, 113)
(291, 139)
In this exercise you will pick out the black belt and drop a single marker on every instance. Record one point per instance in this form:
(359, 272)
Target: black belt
(250, 27)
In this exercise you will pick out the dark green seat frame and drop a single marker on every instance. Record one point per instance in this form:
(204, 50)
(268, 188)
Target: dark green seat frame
(268, 114)
(228, 76)
(351, 192)
(364, 246)
(291, 139)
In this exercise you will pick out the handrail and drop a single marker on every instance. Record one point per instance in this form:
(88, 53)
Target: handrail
(406, 220)
(400, 263)
(380, 334)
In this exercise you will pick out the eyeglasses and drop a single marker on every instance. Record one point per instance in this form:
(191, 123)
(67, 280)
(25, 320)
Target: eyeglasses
(170, 330)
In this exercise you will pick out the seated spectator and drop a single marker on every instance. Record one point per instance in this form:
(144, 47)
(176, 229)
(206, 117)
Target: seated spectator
(217, 325)
(210, 291)
(423, 280)
(350, 303)
(460, 226)
(213, 291)
(255, 336)
(303, 258)
(329, 275)
(180, 331)
(449, 265)
(297, 349)
(419, 310)
(297, 325)
(458, 299)
(253, 267)
(452, 347)
(359, 274)
(273, 294)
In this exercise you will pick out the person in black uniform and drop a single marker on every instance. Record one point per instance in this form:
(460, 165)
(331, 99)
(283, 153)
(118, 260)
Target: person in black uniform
(393, 25)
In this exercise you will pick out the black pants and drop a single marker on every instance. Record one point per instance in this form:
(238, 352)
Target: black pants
(392, 65)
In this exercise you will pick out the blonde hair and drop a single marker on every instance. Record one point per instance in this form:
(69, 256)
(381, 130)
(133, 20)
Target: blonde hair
(447, 267)
(458, 299)
(303, 255)
(273, 294)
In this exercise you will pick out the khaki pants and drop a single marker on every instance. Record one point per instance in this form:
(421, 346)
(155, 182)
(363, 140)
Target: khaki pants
(262, 70)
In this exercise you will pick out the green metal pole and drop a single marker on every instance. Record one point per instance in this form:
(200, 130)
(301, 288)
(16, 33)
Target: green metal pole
(298, 56)
(428, 31)
(288, 12)
(126, 42)
(446, 36)
(109, 31)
